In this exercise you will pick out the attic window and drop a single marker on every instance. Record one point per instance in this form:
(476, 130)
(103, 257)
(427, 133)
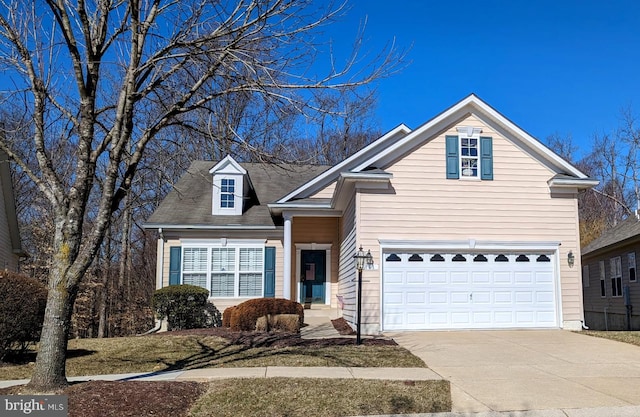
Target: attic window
(227, 192)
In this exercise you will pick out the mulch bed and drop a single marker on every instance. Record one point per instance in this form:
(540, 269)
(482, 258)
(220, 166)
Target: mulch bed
(273, 339)
(175, 398)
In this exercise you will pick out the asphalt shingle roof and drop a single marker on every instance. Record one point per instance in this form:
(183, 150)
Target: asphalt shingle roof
(189, 203)
(627, 229)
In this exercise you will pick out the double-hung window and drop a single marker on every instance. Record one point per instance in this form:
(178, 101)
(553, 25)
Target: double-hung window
(469, 155)
(231, 270)
(616, 277)
(227, 192)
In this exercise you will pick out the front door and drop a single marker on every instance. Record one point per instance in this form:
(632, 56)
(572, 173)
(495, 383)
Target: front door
(312, 276)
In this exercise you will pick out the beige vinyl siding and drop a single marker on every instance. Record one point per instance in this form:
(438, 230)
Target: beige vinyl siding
(516, 206)
(319, 230)
(326, 192)
(346, 273)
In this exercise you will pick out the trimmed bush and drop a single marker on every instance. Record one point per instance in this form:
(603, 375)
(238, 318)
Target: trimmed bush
(21, 312)
(226, 316)
(245, 315)
(185, 307)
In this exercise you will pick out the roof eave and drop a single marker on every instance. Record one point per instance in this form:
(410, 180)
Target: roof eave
(166, 226)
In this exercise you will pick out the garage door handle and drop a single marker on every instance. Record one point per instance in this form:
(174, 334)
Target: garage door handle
(471, 296)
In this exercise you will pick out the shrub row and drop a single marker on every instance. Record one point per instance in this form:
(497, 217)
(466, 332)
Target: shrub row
(245, 315)
(185, 307)
(21, 312)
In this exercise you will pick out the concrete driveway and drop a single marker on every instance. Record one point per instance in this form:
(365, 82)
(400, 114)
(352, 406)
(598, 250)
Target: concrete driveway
(529, 369)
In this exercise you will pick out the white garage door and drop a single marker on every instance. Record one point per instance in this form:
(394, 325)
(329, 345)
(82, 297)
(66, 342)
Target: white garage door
(425, 291)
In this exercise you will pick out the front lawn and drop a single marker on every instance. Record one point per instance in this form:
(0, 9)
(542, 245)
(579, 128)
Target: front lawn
(632, 337)
(165, 352)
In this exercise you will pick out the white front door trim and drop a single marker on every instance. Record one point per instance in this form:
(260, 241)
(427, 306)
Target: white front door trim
(327, 282)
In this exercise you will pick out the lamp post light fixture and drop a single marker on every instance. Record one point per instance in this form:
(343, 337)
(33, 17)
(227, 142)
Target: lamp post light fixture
(361, 259)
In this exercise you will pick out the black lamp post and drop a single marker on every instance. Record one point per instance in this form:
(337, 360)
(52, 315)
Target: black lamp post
(361, 258)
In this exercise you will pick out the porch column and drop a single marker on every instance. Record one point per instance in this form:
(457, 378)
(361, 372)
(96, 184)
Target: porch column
(286, 291)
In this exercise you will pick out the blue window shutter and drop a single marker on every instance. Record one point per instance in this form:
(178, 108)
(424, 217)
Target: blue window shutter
(270, 272)
(453, 162)
(486, 158)
(175, 255)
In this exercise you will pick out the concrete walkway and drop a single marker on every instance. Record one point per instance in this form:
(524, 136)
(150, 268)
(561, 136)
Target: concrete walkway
(210, 374)
(555, 370)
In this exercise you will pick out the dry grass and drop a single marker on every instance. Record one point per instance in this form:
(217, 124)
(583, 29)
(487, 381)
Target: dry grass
(168, 352)
(630, 337)
(306, 397)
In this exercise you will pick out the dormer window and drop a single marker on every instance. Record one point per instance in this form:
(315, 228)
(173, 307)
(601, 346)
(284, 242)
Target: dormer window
(227, 191)
(230, 185)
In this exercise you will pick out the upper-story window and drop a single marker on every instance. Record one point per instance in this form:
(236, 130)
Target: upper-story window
(469, 155)
(230, 186)
(227, 192)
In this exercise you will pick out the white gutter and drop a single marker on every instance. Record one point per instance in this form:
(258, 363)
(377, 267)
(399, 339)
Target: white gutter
(206, 227)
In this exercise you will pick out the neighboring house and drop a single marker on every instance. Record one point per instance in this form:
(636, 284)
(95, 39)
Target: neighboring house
(10, 243)
(609, 278)
(470, 221)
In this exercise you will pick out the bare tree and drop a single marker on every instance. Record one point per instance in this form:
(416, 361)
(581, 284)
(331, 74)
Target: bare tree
(105, 78)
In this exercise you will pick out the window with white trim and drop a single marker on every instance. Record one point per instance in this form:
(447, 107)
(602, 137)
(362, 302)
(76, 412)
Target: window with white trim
(585, 276)
(227, 192)
(469, 157)
(616, 277)
(230, 271)
(631, 265)
(603, 285)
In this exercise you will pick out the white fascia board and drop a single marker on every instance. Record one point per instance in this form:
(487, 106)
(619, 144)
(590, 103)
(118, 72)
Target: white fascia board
(204, 227)
(580, 183)
(471, 244)
(468, 105)
(361, 154)
(364, 176)
(228, 161)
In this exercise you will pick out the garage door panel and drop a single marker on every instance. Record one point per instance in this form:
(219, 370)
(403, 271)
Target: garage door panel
(437, 277)
(461, 318)
(460, 277)
(460, 298)
(480, 277)
(418, 298)
(502, 297)
(419, 277)
(483, 292)
(394, 298)
(441, 298)
(502, 277)
(523, 277)
(395, 277)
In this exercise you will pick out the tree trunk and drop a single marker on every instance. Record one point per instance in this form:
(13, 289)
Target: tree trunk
(50, 370)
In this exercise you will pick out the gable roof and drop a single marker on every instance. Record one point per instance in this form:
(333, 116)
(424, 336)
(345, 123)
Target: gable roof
(188, 205)
(401, 140)
(627, 230)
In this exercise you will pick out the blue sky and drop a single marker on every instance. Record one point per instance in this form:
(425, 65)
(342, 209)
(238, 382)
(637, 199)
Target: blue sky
(552, 67)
